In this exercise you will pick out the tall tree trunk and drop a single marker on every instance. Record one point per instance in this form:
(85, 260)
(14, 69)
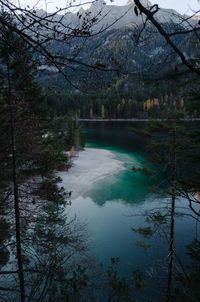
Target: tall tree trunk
(172, 214)
(16, 195)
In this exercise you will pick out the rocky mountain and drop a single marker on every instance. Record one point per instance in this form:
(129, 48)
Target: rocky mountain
(112, 16)
(116, 45)
(100, 16)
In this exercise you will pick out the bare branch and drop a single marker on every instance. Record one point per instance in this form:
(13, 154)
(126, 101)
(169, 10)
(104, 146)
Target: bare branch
(150, 16)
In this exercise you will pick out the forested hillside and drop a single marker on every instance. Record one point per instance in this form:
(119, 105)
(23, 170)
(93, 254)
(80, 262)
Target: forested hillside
(142, 85)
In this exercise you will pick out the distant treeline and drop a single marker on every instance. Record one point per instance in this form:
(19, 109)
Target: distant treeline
(135, 104)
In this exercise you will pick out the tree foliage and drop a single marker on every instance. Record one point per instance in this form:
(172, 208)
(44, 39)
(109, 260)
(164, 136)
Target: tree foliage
(33, 146)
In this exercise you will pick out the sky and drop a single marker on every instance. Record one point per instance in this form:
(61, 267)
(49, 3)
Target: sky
(182, 6)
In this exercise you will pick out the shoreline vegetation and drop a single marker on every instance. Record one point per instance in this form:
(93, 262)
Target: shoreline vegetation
(130, 120)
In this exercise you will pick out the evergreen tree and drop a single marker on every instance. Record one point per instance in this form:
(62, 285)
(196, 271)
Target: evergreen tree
(30, 149)
(187, 287)
(170, 144)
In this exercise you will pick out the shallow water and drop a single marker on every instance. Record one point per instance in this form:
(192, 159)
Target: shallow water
(117, 203)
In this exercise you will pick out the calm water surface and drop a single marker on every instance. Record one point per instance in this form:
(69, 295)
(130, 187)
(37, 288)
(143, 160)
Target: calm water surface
(117, 203)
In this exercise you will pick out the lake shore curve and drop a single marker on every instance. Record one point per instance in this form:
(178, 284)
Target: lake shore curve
(90, 166)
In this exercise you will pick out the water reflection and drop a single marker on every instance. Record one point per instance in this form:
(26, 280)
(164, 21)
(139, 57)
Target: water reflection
(114, 135)
(125, 185)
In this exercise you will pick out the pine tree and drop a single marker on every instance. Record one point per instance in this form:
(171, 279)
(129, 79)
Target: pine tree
(30, 150)
(169, 149)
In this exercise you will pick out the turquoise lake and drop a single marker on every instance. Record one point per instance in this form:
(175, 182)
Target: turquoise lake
(117, 203)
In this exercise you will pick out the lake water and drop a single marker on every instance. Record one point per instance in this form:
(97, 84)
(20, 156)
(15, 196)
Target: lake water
(116, 204)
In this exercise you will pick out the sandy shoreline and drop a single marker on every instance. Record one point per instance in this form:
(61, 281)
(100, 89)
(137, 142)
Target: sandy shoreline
(90, 166)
